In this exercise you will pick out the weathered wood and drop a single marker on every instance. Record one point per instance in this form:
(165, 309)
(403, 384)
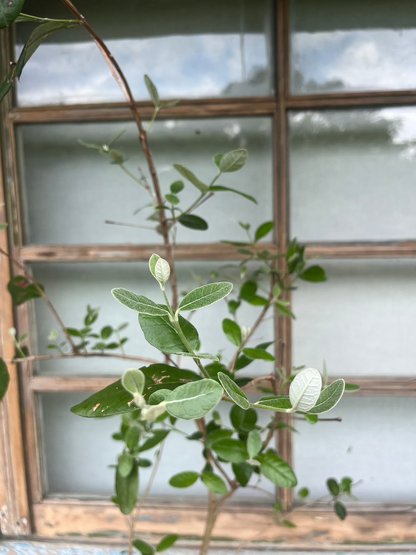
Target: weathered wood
(351, 100)
(207, 108)
(321, 529)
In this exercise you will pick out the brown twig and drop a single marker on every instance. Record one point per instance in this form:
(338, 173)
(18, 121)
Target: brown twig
(44, 297)
(32, 358)
(125, 87)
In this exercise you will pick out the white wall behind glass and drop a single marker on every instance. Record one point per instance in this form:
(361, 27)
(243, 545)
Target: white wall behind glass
(352, 175)
(374, 445)
(69, 191)
(72, 286)
(352, 46)
(190, 49)
(361, 321)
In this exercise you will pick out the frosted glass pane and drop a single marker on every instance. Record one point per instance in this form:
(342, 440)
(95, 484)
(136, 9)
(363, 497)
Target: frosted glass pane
(71, 191)
(352, 46)
(72, 286)
(380, 453)
(361, 321)
(352, 175)
(190, 50)
(71, 445)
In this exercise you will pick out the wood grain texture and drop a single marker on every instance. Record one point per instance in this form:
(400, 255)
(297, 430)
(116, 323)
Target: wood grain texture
(319, 528)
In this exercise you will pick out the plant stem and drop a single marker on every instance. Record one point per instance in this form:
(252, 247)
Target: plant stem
(44, 297)
(125, 87)
(189, 348)
(33, 358)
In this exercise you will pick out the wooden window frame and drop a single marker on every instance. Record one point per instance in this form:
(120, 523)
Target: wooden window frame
(23, 510)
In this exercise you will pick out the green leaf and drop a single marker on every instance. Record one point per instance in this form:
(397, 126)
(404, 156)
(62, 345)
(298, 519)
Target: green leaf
(214, 483)
(4, 378)
(214, 436)
(248, 290)
(340, 510)
(243, 420)
(243, 472)
(201, 356)
(140, 304)
(133, 381)
(3, 226)
(289, 524)
(190, 176)
(232, 331)
(314, 273)
(263, 230)
(160, 333)
(177, 187)
(143, 547)
(158, 396)
(173, 199)
(231, 450)
(127, 490)
(233, 161)
(277, 470)
(333, 486)
(254, 443)
(113, 399)
(329, 397)
(106, 332)
(305, 389)
(233, 391)
(193, 222)
(125, 464)
(259, 354)
(351, 387)
(22, 290)
(303, 493)
(221, 188)
(280, 403)
(194, 400)
(9, 11)
(152, 90)
(145, 463)
(217, 160)
(184, 479)
(157, 437)
(284, 310)
(346, 484)
(311, 418)
(166, 542)
(132, 437)
(205, 296)
(152, 264)
(169, 104)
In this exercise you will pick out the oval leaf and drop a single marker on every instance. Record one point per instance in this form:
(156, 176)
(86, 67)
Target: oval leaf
(194, 400)
(277, 470)
(243, 472)
(231, 450)
(143, 547)
(162, 271)
(329, 397)
(167, 542)
(254, 443)
(140, 304)
(232, 331)
(259, 354)
(314, 274)
(305, 389)
(184, 479)
(4, 378)
(193, 222)
(125, 464)
(233, 161)
(190, 176)
(233, 391)
(221, 188)
(160, 333)
(9, 11)
(152, 90)
(214, 483)
(263, 230)
(280, 403)
(133, 381)
(127, 490)
(205, 295)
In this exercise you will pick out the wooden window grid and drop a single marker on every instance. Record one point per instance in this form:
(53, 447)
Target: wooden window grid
(23, 510)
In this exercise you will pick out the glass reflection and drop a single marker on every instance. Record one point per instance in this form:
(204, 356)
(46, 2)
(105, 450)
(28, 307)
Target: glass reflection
(190, 51)
(353, 175)
(338, 46)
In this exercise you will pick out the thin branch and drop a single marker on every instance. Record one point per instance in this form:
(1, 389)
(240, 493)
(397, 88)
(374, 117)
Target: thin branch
(44, 297)
(83, 355)
(125, 87)
(110, 222)
(231, 483)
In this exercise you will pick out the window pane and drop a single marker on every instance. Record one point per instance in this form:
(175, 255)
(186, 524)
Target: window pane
(374, 444)
(352, 175)
(361, 321)
(70, 191)
(72, 286)
(71, 445)
(355, 46)
(189, 49)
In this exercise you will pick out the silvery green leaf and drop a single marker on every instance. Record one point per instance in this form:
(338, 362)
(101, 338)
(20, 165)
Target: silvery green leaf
(279, 403)
(139, 303)
(329, 397)
(153, 93)
(190, 176)
(133, 381)
(217, 160)
(205, 295)
(152, 264)
(194, 400)
(162, 271)
(305, 389)
(254, 443)
(233, 161)
(202, 356)
(233, 391)
(159, 396)
(160, 333)
(277, 470)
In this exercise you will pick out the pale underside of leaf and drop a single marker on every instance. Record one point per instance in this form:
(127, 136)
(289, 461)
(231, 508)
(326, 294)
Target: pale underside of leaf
(305, 389)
